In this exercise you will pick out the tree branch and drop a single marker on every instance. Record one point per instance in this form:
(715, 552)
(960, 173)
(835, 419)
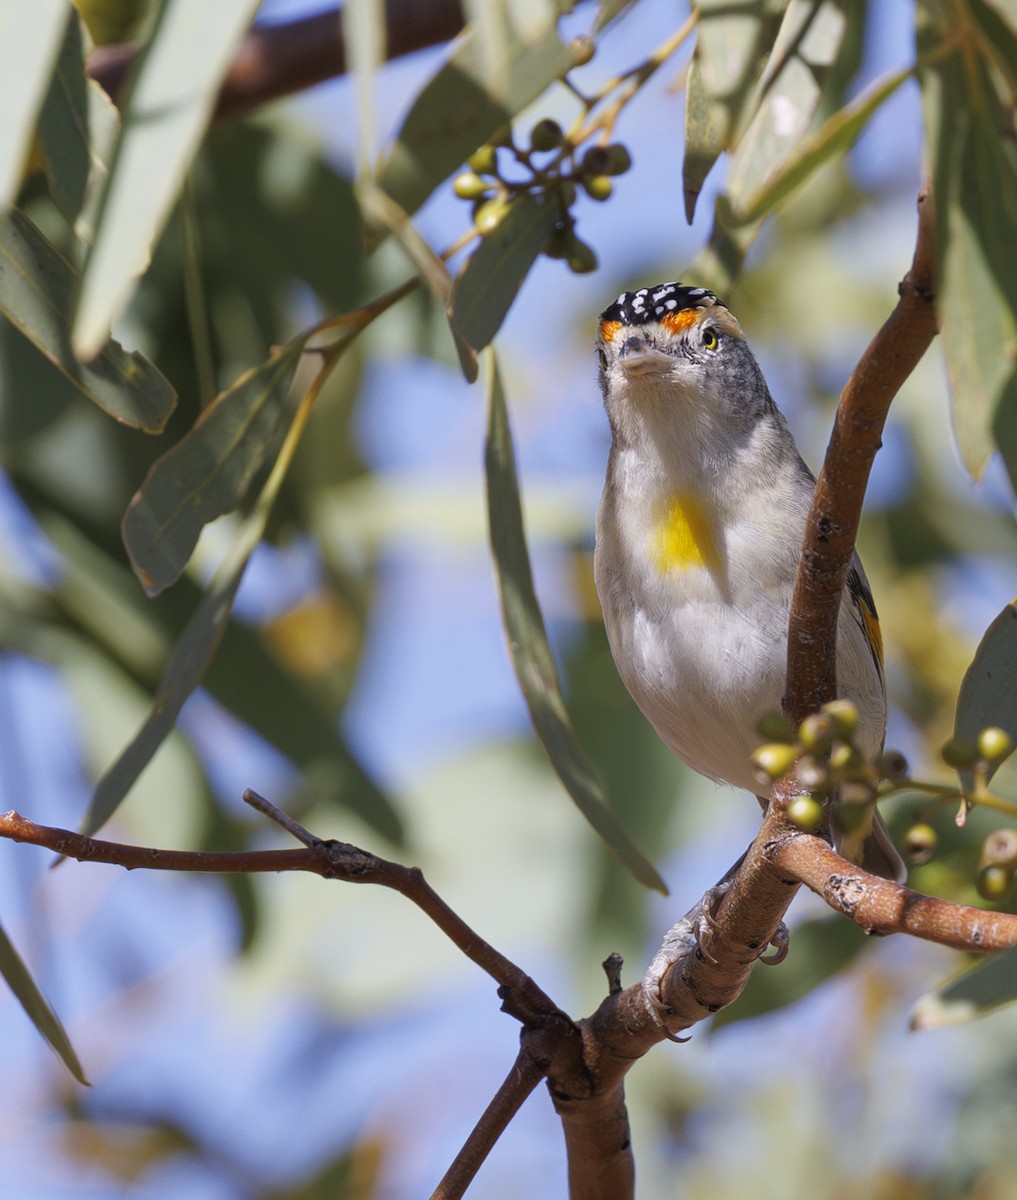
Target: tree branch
(830, 534)
(278, 60)
(521, 998)
(881, 906)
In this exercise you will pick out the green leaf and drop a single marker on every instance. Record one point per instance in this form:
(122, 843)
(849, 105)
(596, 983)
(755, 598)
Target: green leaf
(196, 647)
(175, 85)
(460, 109)
(988, 691)
(731, 44)
(986, 986)
(363, 25)
(31, 999)
(527, 639)
(28, 47)
(37, 290)
(209, 471)
(974, 173)
(819, 949)
(786, 100)
(835, 137)
(489, 280)
(78, 126)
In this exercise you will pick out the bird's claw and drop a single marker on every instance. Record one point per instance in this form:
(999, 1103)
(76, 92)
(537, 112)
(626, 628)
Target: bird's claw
(781, 942)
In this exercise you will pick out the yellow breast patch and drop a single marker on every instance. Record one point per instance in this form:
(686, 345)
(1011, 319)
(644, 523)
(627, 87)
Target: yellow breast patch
(682, 537)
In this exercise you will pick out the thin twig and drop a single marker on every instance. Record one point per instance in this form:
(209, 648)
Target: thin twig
(521, 1080)
(521, 998)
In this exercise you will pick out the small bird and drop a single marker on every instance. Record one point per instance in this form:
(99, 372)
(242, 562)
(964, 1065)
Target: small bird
(699, 533)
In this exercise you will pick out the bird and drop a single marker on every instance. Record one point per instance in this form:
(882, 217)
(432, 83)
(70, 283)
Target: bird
(698, 536)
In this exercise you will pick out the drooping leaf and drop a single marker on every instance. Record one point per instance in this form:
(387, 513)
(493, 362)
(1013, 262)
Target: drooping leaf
(78, 125)
(459, 109)
(527, 639)
(209, 471)
(197, 644)
(37, 290)
(488, 282)
(177, 78)
(988, 691)
(833, 138)
(970, 144)
(730, 55)
(26, 990)
(28, 47)
(788, 95)
(987, 985)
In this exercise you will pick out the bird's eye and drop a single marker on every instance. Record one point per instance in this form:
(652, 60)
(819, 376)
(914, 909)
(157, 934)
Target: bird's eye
(710, 339)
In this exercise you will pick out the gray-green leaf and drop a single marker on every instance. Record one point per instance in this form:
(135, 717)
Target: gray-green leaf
(37, 290)
(986, 986)
(209, 471)
(527, 639)
(26, 990)
(988, 692)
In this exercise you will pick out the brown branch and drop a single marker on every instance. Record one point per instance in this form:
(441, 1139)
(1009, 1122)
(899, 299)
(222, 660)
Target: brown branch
(881, 906)
(830, 534)
(521, 997)
(278, 60)
(526, 1073)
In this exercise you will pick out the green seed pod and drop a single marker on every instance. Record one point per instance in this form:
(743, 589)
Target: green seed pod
(920, 842)
(993, 883)
(598, 187)
(844, 757)
(816, 732)
(490, 214)
(546, 135)
(959, 752)
(893, 766)
(582, 259)
(806, 812)
(775, 727)
(813, 774)
(595, 161)
(469, 186)
(773, 760)
(994, 744)
(582, 50)
(843, 715)
(567, 192)
(618, 159)
(484, 161)
(1000, 849)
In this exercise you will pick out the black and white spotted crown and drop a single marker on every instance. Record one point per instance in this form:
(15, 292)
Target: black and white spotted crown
(653, 303)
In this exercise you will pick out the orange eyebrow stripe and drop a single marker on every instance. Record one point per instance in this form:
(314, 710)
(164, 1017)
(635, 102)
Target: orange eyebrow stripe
(678, 322)
(608, 329)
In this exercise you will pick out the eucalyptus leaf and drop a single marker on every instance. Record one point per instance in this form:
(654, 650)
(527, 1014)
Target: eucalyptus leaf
(78, 126)
(37, 290)
(493, 274)
(788, 95)
(834, 138)
(988, 985)
(30, 42)
(209, 471)
(988, 691)
(26, 991)
(175, 85)
(196, 647)
(460, 109)
(527, 639)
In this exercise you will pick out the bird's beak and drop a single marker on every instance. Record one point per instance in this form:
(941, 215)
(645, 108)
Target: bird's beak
(638, 357)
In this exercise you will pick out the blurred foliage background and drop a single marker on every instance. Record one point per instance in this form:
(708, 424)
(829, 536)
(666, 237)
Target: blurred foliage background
(281, 1036)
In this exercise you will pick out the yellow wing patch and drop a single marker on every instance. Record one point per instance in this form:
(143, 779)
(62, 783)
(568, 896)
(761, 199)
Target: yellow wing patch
(682, 538)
